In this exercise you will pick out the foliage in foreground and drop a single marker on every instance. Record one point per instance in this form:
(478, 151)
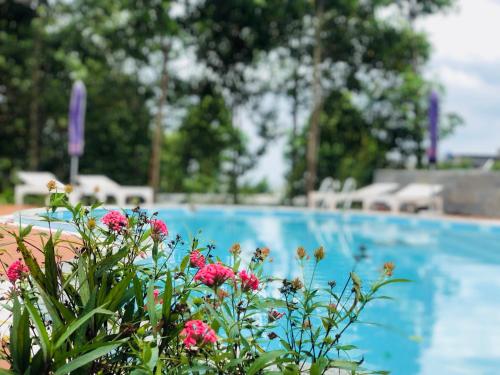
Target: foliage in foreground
(122, 305)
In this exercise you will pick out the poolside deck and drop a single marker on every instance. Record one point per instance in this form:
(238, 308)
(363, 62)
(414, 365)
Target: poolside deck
(8, 248)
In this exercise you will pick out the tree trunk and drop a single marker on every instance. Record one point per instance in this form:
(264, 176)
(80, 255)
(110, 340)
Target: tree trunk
(295, 120)
(314, 131)
(157, 139)
(34, 118)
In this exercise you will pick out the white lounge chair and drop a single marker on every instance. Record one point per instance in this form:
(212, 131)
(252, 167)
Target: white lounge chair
(327, 188)
(34, 183)
(103, 187)
(365, 195)
(417, 195)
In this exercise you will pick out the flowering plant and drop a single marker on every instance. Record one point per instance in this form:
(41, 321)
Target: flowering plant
(108, 311)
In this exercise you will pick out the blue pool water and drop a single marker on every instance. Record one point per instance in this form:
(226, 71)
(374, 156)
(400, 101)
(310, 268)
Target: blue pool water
(447, 321)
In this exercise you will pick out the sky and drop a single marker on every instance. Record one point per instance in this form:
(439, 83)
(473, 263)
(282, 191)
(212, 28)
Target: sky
(466, 61)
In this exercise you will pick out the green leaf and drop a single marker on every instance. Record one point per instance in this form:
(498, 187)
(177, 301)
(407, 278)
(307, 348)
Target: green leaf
(150, 302)
(86, 358)
(50, 268)
(318, 367)
(344, 364)
(24, 231)
(184, 263)
(42, 332)
(58, 200)
(377, 286)
(77, 323)
(115, 296)
(30, 261)
(265, 360)
(20, 341)
(52, 310)
(83, 281)
(167, 296)
(138, 292)
(110, 261)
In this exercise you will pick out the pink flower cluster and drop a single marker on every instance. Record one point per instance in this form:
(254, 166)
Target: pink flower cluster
(158, 228)
(114, 220)
(16, 271)
(197, 333)
(196, 259)
(214, 274)
(248, 281)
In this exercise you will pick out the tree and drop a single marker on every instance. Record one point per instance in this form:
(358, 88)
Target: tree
(196, 151)
(82, 47)
(370, 59)
(230, 38)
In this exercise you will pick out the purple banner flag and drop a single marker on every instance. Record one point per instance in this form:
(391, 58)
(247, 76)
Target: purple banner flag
(76, 119)
(433, 126)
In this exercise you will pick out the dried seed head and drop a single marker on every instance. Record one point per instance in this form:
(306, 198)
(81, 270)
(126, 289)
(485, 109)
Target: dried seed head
(319, 253)
(235, 249)
(297, 284)
(301, 252)
(51, 185)
(68, 189)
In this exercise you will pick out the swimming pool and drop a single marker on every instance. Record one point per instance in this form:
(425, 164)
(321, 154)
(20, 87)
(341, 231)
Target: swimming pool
(445, 322)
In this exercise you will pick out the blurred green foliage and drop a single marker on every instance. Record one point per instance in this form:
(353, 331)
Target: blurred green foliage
(374, 95)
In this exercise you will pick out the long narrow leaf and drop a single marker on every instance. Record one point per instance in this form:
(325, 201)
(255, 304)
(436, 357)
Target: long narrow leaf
(20, 342)
(42, 332)
(50, 267)
(265, 360)
(167, 296)
(86, 358)
(77, 323)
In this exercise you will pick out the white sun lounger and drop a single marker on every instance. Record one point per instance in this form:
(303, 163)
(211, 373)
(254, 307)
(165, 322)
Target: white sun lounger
(327, 188)
(103, 187)
(418, 195)
(34, 183)
(363, 195)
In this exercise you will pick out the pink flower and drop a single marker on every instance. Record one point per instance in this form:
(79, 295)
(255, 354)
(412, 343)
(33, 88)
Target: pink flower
(114, 220)
(196, 259)
(16, 271)
(214, 274)
(197, 333)
(248, 281)
(158, 228)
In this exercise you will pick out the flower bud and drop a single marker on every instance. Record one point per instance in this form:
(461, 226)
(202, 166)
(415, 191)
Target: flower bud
(319, 254)
(388, 268)
(301, 252)
(51, 185)
(235, 249)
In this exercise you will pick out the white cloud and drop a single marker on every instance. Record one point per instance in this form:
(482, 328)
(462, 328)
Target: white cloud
(460, 79)
(466, 61)
(468, 33)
